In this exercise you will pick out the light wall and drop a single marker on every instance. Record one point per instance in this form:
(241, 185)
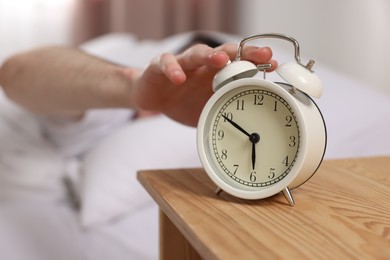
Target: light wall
(351, 36)
(26, 24)
(29, 23)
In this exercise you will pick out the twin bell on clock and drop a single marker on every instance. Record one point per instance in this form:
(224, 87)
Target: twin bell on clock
(257, 138)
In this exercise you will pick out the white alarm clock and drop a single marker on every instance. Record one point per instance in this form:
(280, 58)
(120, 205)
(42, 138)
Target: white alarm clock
(256, 137)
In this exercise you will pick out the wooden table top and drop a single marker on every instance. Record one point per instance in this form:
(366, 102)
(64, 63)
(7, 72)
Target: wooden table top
(343, 212)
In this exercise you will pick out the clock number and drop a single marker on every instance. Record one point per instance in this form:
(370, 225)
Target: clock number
(221, 135)
(275, 105)
(292, 141)
(252, 176)
(224, 154)
(288, 121)
(285, 161)
(229, 115)
(235, 168)
(259, 100)
(240, 104)
(271, 174)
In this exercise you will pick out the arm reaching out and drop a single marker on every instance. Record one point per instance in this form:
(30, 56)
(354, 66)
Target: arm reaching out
(63, 81)
(66, 81)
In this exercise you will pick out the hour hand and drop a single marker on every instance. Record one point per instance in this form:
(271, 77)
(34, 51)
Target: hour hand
(236, 125)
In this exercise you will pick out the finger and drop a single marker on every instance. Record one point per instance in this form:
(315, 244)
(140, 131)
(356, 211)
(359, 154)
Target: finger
(260, 55)
(250, 53)
(202, 55)
(274, 65)
(257, 55)
(168, 65)
(230, 49)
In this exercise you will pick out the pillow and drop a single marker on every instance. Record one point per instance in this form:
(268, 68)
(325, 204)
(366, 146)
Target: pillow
(30, 168)
(109, 186)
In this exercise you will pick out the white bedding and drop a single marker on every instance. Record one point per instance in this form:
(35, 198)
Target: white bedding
(120, 223)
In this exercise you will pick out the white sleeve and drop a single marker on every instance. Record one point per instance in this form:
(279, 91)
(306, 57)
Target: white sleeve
(73, 138)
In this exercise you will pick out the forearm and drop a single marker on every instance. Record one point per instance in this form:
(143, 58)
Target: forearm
(59, 80)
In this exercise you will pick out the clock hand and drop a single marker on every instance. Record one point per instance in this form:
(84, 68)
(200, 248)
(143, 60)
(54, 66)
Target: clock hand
(254, 138)
(236, 126)
(253, 155)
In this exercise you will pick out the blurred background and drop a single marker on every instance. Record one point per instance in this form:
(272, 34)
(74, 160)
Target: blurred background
(349, 36)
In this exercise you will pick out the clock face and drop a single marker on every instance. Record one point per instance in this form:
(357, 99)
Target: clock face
(252, 138)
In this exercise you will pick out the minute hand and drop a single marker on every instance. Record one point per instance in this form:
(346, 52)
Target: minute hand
(236, 126)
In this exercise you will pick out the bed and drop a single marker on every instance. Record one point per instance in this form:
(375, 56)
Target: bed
(92, 206)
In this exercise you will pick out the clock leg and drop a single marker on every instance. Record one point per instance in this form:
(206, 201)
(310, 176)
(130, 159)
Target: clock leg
(218, 191)
(289, 197)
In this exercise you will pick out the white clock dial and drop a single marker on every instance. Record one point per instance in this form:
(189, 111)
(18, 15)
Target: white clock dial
(254, 138)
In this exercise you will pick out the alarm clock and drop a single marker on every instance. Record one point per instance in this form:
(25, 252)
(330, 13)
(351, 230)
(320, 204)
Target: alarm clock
(256, 137)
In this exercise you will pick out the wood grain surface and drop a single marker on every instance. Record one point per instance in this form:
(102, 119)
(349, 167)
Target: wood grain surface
(343, 212)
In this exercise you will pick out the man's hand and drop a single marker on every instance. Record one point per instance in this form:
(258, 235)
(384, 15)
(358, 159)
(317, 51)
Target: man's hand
(179, 86)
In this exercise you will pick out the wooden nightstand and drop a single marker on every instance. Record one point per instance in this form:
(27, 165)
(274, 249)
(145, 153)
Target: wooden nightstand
(343, 212)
